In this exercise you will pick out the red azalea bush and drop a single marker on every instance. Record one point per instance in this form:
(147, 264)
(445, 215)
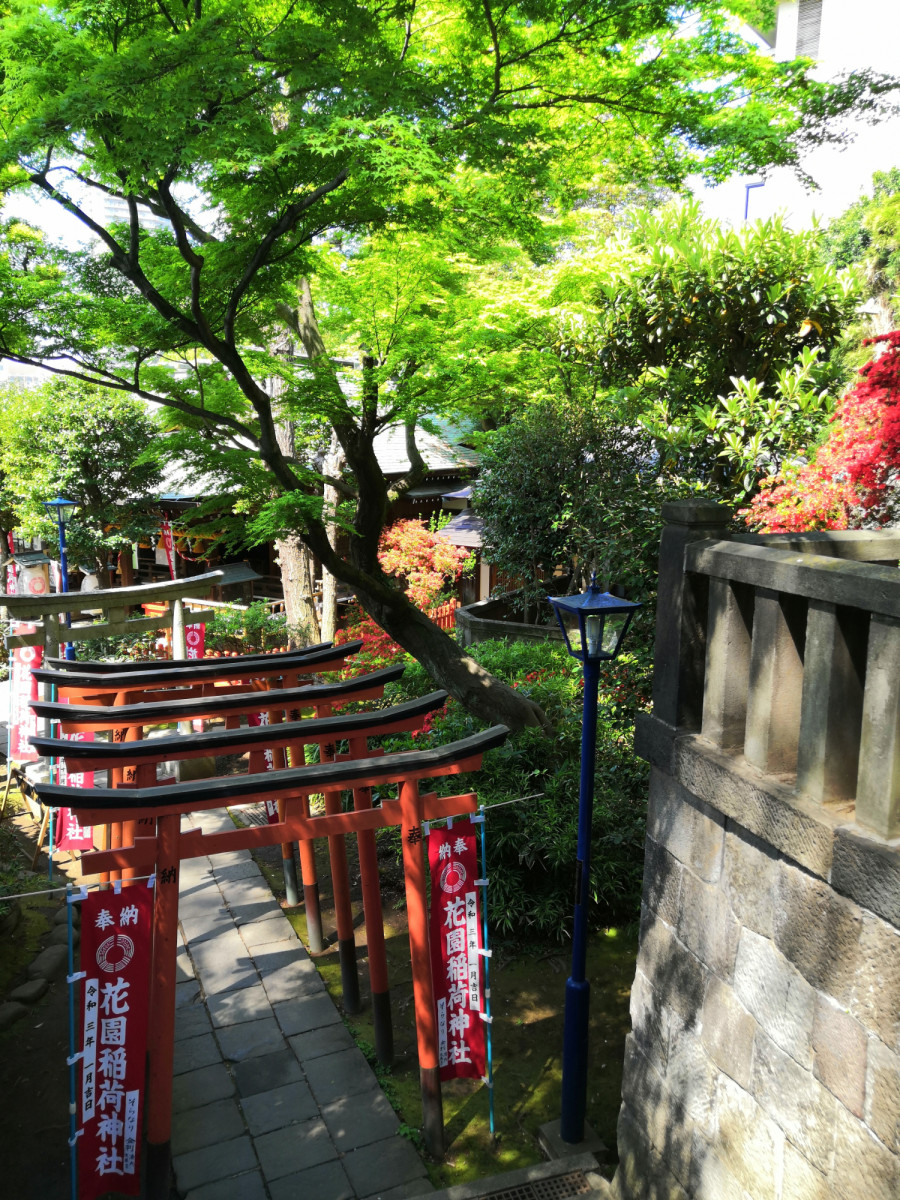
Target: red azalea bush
(854, 479)
(422, 560)
(378, 648)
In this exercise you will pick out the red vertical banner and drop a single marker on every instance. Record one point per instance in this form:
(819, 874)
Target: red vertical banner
(195, 640)
(22, 690)
(195, 645)
(11, 570)
(165, 531)
(115, 957)
(456, 943)
(71, 834)
(254, 720)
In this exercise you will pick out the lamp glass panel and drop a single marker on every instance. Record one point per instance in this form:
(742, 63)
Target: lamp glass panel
(571, 629)
(612, 634)
(594, 638)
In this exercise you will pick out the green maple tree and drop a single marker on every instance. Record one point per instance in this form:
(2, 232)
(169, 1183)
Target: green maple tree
(254, 129)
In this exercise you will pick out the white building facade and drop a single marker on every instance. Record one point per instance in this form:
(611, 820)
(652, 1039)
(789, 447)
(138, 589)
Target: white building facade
(842, 36)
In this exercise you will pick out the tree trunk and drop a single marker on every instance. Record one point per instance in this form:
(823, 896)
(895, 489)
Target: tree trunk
(334, 465)
(446, 662)
(295, 562)
(126, 572)
(293, 557)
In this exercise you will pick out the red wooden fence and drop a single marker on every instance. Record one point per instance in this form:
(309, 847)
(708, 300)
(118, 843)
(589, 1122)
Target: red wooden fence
(444, 616)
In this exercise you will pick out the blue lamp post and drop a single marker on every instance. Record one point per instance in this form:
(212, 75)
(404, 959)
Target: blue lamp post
(594, 625)
(63, 510)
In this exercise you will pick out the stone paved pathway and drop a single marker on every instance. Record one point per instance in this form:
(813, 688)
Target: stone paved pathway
(272, 1099)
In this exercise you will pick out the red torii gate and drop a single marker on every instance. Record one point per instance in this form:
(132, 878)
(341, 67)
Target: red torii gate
(163, 851)
(357, 728)
(123, 684)
(230, 706)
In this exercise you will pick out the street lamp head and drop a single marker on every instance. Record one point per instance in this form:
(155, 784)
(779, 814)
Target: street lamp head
(594, 624)
(63, 510)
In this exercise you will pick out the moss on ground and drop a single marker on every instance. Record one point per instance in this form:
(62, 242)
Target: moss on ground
(20, 937)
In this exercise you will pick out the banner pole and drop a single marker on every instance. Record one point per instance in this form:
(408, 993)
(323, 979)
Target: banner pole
(162, 1008)
(487, 973)
(73, 1093)
(54, 778)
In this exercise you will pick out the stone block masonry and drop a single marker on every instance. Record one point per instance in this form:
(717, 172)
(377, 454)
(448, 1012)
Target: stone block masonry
(764, 1062)
(764, 1057)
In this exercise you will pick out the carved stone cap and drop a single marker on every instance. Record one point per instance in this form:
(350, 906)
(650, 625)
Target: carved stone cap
(696, 512)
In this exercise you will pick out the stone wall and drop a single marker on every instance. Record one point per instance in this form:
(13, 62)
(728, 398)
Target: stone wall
(487, 619)
(764, 1058)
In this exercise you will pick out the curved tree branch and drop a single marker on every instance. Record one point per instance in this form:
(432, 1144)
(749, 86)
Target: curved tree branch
(115, 383)
(286, 223)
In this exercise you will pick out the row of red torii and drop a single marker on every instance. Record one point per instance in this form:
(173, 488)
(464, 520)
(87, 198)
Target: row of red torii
(141, 814)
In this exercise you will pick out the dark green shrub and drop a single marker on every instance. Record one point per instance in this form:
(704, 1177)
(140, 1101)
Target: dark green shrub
(531, 845)
(255, 628)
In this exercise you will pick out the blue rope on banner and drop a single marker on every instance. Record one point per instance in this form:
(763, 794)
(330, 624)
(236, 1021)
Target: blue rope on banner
(71, 896)
(480, 820)
(54, 778)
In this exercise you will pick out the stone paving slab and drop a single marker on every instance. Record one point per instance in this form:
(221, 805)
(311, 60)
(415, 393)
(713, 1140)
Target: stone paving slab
(328, 1179)
(383, 1165)
(219, 1161)
(355, 1121)
(317, 1042)
(196, 1052)
(338, 1075)
(310, 1012)
(201, 1127)
(267, 933)
(284, 1151)
(191, 1020)
(272, 1099)
(403, 1191)
(249, 1186)
(184, 967)
(199, 1088)
(187, 993)
(223, 963)
(278, 956)
(266, 1072)
(234, 1008)
(250, 1039)
(290, 981)
(244, 868)
(278, 1107)
(238, 892)
(254, 910)
(205, 926)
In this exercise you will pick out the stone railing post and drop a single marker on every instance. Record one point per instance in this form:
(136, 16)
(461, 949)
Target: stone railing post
(878, 789)
(834, 671)
(680, 653)
(729, 629)
(776, 681)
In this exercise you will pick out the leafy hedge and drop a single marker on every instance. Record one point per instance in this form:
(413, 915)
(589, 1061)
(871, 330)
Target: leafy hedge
(531, 845)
